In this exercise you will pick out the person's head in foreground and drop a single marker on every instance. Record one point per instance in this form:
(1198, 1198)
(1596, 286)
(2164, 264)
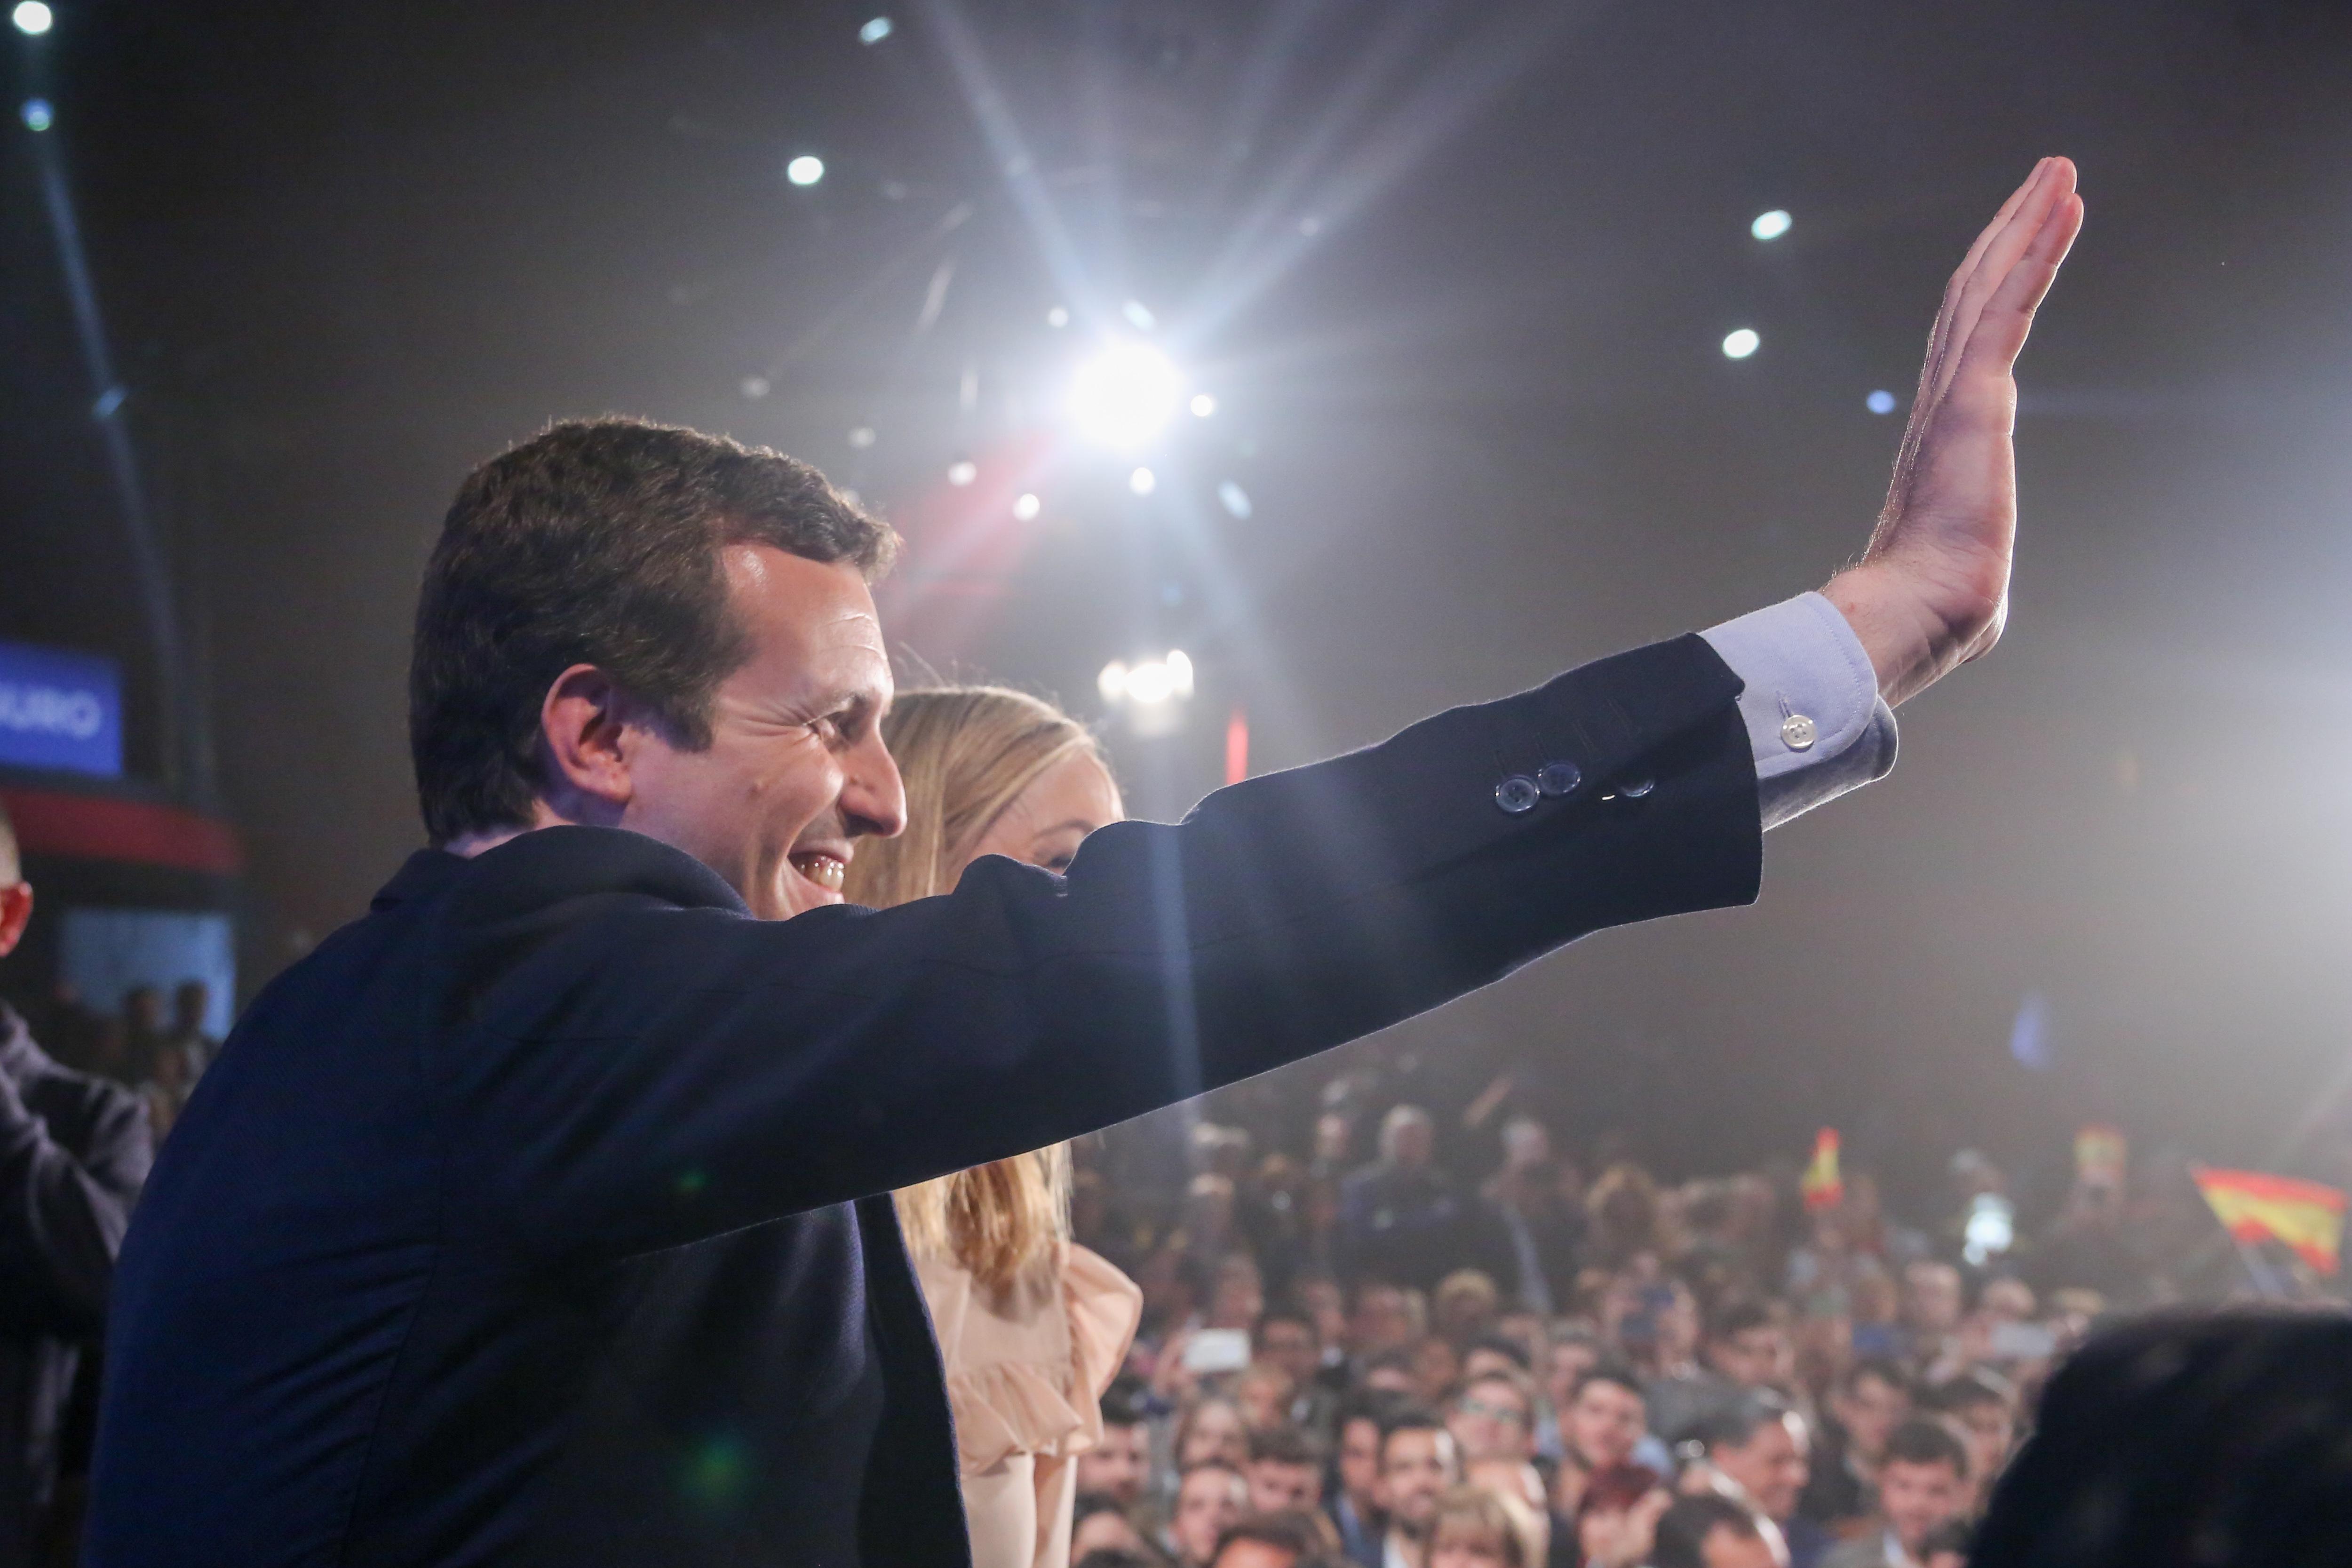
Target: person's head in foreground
(1981, 1405)
(1472, 1529)
(629, 626)
(1270, 1539)
(1210, 1497)
(1762, 1446)
(1923, 1482)
(1417, 1465)
(1710, 1531)
(2184, 1441)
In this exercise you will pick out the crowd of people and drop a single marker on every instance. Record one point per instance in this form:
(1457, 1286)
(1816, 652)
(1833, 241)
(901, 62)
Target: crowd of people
(1350, 1354)
(157, 1053)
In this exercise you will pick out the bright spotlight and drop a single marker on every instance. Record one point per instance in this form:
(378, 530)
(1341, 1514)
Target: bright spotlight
(1234, 500)
(755, 386)
(1741, 343)
(1880, 402)
(1124, 395)
(1771, 225)
(1059, 316)
(36, 113)
(862, 438)
(33, 18)
(874, 31)
(1026, 506)
(962, 471)
(1143, 482)
(1202, 406)
(1138, 315)
(805, 170)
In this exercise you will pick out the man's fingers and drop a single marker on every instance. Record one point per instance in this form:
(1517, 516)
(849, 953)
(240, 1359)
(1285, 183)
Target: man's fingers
(1941, 356)
(2001, 258)
(2007, 316)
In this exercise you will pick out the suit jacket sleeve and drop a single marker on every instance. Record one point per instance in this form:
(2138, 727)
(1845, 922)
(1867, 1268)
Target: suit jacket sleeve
(624, 1069)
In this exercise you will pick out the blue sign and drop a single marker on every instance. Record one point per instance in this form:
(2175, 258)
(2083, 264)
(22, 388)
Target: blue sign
(59, 711)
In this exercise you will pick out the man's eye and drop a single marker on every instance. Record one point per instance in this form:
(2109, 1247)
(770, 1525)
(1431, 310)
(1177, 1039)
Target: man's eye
(1058, 864)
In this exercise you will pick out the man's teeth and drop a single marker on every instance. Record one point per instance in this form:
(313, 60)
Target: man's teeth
(822, 869)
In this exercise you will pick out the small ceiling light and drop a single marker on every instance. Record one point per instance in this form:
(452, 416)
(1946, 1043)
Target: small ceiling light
(755, 387)
(862, 438)
(874, 31)
(1234, 500)
(1771, 225)
(1880, 402)
(1112, 681)
(1057, 317)
(1741, 343)
(962, 471)
(1122, 396)
(1143, 482)
(33, 18)
(1202, 406)
(36, 113)
(1026, 506)
(805, 170)
(1138, 315)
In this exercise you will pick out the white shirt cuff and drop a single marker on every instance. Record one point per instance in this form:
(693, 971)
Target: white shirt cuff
(1816, 723)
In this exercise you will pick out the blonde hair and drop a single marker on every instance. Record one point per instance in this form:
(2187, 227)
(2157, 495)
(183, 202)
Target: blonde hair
(966, 753)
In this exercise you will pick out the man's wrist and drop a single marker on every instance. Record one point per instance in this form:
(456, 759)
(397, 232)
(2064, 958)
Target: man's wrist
(1909, 645)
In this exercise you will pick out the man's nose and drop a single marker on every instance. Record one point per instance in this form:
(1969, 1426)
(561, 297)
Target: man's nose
(873, 795)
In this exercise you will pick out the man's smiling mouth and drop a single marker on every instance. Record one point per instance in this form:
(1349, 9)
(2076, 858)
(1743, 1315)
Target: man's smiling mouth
(823, 868)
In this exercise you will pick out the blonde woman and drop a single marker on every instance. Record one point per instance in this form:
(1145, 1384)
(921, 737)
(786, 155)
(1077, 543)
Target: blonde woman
(1032, 1327)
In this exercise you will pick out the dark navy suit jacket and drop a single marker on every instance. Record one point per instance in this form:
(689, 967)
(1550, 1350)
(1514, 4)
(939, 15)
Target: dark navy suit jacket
(427, 1274)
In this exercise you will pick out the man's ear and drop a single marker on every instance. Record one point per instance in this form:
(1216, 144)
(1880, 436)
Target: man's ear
(15, 913)
(581, 729)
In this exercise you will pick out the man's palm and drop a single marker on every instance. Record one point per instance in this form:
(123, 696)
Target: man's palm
(1932, 589)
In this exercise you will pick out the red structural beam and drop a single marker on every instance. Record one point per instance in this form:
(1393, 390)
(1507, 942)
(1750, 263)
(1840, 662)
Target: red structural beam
(98, 828)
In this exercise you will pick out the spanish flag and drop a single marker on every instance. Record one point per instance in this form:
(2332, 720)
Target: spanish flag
(2304, 1216)
(1822, 1186)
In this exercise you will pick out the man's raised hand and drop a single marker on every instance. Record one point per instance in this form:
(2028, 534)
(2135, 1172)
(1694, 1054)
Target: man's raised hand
(1932, 590)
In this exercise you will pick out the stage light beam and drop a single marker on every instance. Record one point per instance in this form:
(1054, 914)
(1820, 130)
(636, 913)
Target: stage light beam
(805, 170)
(1026, 506)
(1143, 482)
(1234, 500)
(874, 31)
(1880, 402)
(33, 18)
(1771, 225)
(962, 471)
(1202, 406)
(1742, 342)
(38, 114)
(1124, 395)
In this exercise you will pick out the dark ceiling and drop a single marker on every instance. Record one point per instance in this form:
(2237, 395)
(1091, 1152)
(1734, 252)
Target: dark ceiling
(1457, 274)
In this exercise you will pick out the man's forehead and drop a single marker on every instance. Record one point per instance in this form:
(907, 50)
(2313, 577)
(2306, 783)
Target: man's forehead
(813, 611)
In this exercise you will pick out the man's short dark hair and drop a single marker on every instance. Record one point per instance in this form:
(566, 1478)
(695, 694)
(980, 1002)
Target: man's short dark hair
(1122, 1402)
(1883, 1368)
(1088, 1504)
(1285, 1314)
(1682, 1529)
(1737, 1315)
(1285, 1445)
(1114, 1557)
(1509, 1349)
(1968, 1388)
(1736, 1424)
(1372, 1405)
(1287, 1532)
(598, 543)
(1924, 1440)
(1407, 1418)
(1616, 1372)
